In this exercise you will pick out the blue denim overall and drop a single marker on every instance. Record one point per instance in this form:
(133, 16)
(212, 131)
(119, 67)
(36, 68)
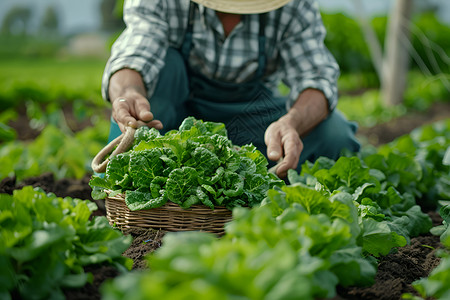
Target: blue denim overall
(247, 109)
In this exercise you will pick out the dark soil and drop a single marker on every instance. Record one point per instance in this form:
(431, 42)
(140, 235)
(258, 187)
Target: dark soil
(145, 241)
(66, 187)
(26, 132)
(395, 273)
(91, 290)
(387, 132)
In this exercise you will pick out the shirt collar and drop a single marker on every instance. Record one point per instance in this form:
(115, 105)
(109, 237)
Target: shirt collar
(209, 17)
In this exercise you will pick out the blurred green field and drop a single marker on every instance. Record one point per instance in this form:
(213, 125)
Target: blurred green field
(50, 79)
(46, 88)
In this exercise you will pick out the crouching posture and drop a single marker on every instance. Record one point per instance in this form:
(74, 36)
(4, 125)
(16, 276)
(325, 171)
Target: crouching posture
(223, 61)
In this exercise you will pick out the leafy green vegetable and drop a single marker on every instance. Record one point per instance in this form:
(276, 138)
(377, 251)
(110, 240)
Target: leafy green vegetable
(66, 155)
(182, 184)
(262, 256)
(387, 217)
(7, 133)
(196, 164)
(324, 229)
(45, 241)
(443, 230)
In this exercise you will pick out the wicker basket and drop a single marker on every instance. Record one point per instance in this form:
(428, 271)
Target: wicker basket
(169, 217)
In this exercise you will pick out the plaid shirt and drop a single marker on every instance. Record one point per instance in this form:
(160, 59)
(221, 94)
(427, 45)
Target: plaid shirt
(295, 51)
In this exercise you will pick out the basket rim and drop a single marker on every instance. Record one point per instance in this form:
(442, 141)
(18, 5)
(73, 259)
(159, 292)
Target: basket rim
(169, 217)
(169, 203)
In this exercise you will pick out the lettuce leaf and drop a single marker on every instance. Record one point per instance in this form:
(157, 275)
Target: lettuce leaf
(46, 241)
(196, 164)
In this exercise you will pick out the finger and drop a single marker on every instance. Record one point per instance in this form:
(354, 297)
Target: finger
(272, 139)
(122, 114)
(293, 147)
(121, 126)
(282, 170)
(142, 106)
(126, 119)
(129, 105)
(114, 116)
(142, 109)
(155, 124)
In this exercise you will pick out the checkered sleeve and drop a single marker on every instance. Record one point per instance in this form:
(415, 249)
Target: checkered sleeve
(305, 60)
(142, 45)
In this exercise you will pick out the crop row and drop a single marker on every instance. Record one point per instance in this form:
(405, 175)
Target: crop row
(47, 241)
(64, 153)
(325, 229)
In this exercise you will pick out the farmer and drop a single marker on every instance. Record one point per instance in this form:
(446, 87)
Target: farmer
(222, 61)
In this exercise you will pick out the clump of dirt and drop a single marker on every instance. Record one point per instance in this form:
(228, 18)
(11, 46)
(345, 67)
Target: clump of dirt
(100, 274)
(145, 241)
(398, 270)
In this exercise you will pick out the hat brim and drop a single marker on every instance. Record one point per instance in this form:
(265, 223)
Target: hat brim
(243, 6)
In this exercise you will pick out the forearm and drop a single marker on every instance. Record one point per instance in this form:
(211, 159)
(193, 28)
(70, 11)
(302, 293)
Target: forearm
(308, 111)
(126, 83)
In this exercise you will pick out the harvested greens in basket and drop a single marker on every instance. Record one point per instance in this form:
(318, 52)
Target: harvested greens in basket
(196, 164)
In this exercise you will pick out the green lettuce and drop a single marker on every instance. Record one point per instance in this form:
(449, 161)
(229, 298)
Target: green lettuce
(196, 164)
(387, 217)
(262, 256)
(46, 241)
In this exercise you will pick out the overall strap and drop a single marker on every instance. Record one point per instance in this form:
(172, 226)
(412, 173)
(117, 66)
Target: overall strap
(262, 46)
(187, 43)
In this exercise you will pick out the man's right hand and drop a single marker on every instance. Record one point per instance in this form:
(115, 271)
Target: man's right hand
(129, 102)
(127, 110)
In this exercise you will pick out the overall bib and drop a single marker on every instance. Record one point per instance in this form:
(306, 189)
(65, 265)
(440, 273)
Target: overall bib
(247, 109)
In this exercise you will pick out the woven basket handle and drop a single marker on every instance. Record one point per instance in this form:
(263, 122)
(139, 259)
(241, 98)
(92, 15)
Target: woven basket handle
(123, 143)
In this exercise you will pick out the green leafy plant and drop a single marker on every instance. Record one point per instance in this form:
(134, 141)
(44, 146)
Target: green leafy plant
(324, 229)
(196, 164)
(296, 254)
(428, 179)
(65, 154)
(387, 183)
(46, 241)
(346, 41)
(388, 218)
(443, 230)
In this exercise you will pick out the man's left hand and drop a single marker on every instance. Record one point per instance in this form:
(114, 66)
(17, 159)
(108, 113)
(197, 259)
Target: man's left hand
(283, 142)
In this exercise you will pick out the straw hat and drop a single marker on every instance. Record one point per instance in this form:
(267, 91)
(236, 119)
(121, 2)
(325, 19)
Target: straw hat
(243, 6)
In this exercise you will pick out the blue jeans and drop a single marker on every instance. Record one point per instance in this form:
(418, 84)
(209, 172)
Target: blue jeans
(246, 121)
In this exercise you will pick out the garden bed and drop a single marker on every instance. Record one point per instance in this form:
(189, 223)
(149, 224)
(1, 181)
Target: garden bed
(395, 273)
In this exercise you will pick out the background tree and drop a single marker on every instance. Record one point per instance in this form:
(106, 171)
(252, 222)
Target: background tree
(397, 53)
(391, 66)
(50, 21)
(111, 11)
(16, 21)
